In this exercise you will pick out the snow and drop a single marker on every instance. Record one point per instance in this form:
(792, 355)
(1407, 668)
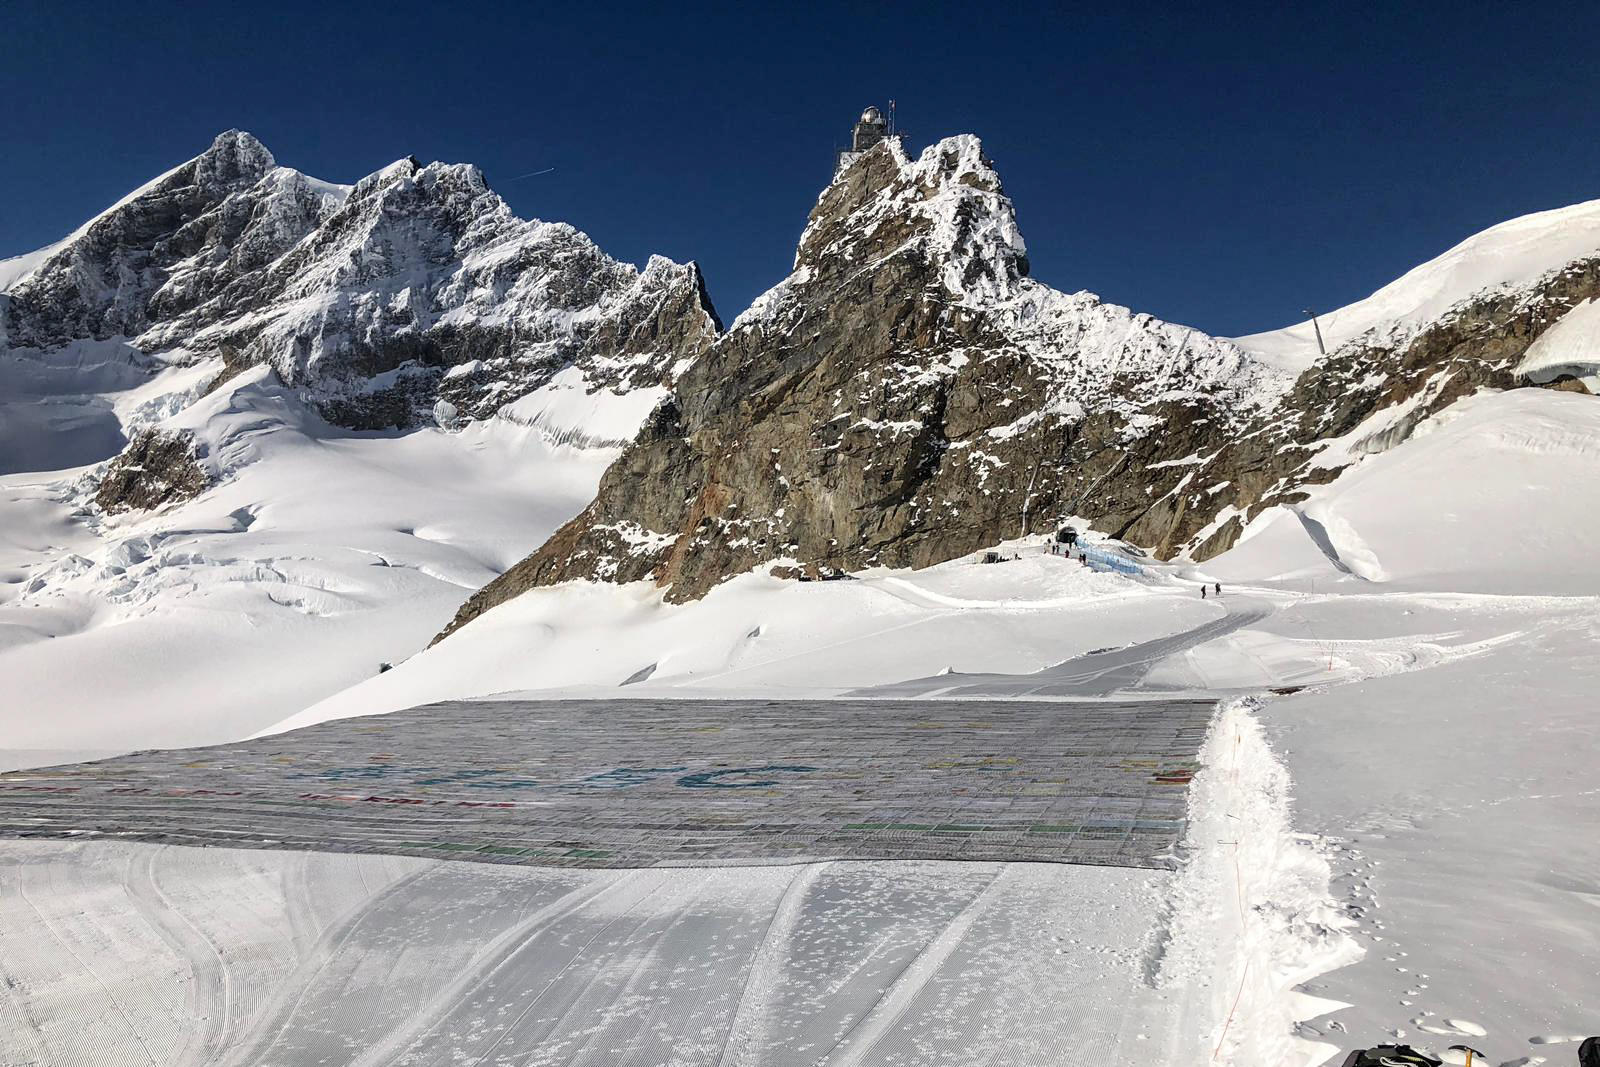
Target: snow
(16, 268)
(320, 554)
(1252, 917)
(1570, 347)
(1436, 751)
(1456, 801)
(1413, 805)
(129, 953)
(1381, 430)
(569, 410)
(761, 636)
(57, 409)
(1508, 256)
(1491, 495)
(1393, 845)
(967, 224)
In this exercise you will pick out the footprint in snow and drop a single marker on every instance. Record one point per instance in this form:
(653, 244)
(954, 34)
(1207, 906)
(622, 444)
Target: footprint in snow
(1455, 1028)
(1555, 1039)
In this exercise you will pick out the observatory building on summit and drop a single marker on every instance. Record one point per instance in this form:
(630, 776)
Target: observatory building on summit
(870, 129)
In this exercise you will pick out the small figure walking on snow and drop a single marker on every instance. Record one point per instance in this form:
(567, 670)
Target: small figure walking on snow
(1219, 588)
(1202, 592)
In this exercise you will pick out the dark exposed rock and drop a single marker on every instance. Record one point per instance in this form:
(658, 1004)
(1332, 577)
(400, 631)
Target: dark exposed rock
(158, 467)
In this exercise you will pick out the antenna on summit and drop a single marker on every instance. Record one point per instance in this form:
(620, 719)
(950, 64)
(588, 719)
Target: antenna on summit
(891, 118)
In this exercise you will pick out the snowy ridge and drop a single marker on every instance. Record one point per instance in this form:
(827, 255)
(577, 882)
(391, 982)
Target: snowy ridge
(1108, 357)
(15, 270)
(1506, 257)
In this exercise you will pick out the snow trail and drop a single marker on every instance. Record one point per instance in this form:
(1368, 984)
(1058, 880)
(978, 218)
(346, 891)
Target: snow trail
(863, 1038)
(1252, 914)
(747, 1032)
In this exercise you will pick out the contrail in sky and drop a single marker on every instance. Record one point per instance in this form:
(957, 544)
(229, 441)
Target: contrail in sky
(531, 174)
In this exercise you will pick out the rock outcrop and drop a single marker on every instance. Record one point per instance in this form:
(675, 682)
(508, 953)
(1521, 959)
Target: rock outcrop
(158, 467)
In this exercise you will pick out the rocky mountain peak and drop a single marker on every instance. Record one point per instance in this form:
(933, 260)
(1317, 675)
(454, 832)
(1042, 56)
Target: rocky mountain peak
(111, 277)
(234, 160)
(908, 394)
(946, 206)
(402, 169)
(417, 284)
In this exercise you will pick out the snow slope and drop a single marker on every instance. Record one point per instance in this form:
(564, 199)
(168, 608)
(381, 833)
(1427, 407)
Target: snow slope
(318, 555)
(1437, 609)
(1494, 495)
(1506, 256)
(1443, 744)
(761, 636)
(131, 954)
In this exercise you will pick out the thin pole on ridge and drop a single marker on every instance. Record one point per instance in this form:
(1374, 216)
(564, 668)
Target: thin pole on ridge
(1320, 349)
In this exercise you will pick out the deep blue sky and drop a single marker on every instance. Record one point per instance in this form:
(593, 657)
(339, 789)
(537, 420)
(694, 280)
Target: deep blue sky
(1221, 168)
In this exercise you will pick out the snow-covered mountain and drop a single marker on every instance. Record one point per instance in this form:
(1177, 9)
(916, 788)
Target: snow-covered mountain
(375, 301)
(1510, 258)
(906, 395)
(202, 535)
(200, 531)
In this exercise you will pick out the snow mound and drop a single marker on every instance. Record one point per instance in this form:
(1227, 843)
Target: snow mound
(1252, 915)
(1506, 256)
(1569, 348)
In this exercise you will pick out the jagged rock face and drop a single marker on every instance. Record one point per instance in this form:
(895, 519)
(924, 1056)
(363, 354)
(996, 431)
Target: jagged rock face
(424, 269)
(907, 395)
(365, 298)
(158, 467)
(169, 247)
